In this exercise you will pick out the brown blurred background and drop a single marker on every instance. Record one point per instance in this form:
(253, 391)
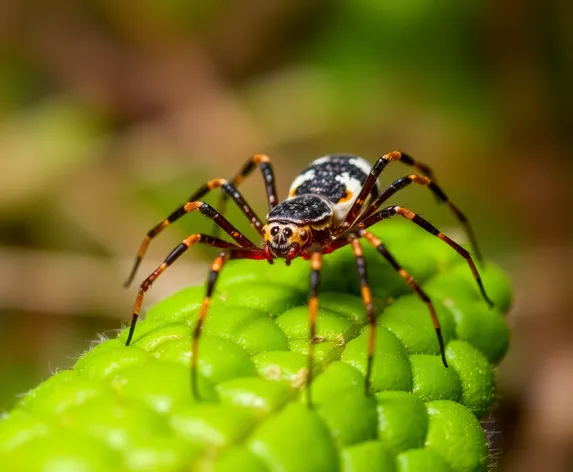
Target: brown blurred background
(113, 112)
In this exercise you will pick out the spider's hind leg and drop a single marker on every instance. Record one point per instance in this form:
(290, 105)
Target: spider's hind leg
(440, 197)
(370, 184)
(391, 211)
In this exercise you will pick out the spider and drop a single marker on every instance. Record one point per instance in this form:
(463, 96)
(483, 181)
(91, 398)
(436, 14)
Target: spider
(331, 204)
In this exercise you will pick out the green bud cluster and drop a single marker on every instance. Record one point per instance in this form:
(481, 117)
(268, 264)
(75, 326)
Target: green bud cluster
(131, 408)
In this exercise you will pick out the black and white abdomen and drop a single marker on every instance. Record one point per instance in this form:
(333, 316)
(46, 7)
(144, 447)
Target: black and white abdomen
(338, 178)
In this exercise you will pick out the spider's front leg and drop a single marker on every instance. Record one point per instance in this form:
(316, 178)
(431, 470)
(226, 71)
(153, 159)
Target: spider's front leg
(316, 266)
(180, 249)
(353, 239)
(194, 204)
(216, 266)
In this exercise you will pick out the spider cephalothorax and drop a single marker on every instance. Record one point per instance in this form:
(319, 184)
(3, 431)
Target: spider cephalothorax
(295, 224)
(331, 204)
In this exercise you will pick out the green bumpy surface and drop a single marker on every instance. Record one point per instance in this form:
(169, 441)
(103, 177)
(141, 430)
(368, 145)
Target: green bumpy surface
(131, 409)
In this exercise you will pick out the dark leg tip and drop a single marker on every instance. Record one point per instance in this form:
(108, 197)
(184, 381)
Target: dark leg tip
(484, 294)
(131, 329)
(129, 279)
(368, 375)
(309, 403)
(366, 387)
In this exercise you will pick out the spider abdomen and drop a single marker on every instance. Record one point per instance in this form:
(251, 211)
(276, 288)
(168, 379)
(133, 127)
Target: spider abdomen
(338, 178)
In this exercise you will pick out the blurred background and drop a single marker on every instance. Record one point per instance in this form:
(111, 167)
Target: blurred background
(112, 114)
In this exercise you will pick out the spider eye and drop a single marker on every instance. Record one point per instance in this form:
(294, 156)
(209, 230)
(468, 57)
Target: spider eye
(274, 230)
(287, 232)
(303, 234)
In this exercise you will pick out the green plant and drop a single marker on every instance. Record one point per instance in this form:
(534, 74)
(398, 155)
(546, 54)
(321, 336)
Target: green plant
(131, 409)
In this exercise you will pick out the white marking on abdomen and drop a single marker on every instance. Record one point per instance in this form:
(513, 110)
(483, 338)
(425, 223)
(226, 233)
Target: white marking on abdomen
(352, 185)
(299, 180)
(362, 164)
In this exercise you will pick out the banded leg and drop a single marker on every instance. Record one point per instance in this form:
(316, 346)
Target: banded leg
(436, 190)
(188, 207)
(316, 266)
(368, 305)
(370, 182)
(374, 241)
(264, 163)
(180, 249)
(336, 244)
(216, 266)
(410, 215)
(230, 190)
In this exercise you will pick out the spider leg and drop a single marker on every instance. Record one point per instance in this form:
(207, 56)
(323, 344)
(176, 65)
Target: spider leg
(436, 190)
(188, 207)
(230, 190)
(369, 307)
(264, 163)
(180, 249)
(374, 241)
(216, 266)
(410, 215)
(335, 245)
(316, 266)
(369, 184)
